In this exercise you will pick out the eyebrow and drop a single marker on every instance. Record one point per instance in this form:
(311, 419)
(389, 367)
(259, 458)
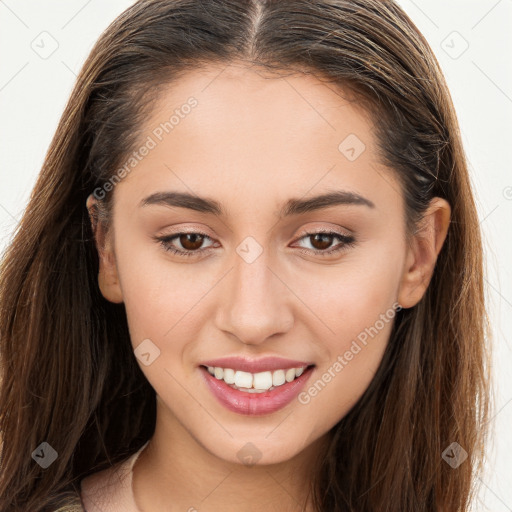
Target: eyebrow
(291, 207)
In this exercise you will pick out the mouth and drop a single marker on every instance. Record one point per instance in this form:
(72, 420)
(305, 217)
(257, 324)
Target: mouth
(257, 393)
(256, 382)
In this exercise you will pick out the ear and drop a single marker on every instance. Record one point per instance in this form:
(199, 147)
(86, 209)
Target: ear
(425, 245)
(108, 280)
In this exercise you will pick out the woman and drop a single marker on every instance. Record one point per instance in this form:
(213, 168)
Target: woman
(250, 273)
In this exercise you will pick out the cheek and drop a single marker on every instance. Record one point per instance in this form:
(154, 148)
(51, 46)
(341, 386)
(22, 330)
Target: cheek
(157, 295)
(357, 308)
(351, 296)
(353, 355)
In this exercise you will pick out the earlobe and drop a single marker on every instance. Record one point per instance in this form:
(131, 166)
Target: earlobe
(108, 280)
(109, 285)
(422, 253)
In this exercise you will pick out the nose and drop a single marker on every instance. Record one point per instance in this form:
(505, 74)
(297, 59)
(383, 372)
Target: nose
(254, 302)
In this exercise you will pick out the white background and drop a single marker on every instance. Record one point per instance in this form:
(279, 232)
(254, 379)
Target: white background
(33, 93)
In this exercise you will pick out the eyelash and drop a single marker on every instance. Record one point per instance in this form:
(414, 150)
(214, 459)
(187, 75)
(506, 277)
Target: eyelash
(347, 242)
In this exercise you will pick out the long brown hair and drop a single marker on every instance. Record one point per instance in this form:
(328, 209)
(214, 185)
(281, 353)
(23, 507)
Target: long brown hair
(69, 375)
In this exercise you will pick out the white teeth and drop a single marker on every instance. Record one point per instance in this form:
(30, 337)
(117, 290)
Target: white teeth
(290, 374)
(278, 378)
(255, 382)
(262, 380)
(229, 376)
(242, 379)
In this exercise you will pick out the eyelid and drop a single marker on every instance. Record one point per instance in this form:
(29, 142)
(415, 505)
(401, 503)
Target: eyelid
(307, 231)
(330, 231)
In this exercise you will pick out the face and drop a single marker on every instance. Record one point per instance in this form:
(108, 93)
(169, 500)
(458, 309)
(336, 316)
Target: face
(253, 264)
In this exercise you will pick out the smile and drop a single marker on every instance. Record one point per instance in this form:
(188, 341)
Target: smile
(256, 393)
(255, 382)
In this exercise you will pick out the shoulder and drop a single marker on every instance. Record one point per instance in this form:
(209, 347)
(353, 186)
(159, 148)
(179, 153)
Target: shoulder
(68, 501)
(110, 490)
(103, 490)
(74, 507)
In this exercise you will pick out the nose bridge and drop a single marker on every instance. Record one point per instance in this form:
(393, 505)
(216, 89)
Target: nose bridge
(253, 301)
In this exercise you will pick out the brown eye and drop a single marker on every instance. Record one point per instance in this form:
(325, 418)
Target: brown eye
(191, 241)
(185, 244)
(321, 241)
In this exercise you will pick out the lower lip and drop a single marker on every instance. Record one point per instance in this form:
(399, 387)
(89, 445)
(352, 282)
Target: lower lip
(255, 403)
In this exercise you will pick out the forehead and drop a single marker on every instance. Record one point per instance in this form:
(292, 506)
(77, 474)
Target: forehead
(253, 133)
(233, 96)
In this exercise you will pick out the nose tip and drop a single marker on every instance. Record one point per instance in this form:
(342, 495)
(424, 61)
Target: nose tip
(253, 303)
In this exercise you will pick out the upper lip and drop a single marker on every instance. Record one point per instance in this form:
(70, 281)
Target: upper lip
(255, 365)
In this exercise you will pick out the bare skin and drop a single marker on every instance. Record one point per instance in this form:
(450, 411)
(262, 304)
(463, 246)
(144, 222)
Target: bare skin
(252, 143)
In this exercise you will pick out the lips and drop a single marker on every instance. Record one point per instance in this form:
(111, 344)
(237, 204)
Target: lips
(251, 403)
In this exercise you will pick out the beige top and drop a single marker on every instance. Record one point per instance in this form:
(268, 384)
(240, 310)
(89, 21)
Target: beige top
(110, 490)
